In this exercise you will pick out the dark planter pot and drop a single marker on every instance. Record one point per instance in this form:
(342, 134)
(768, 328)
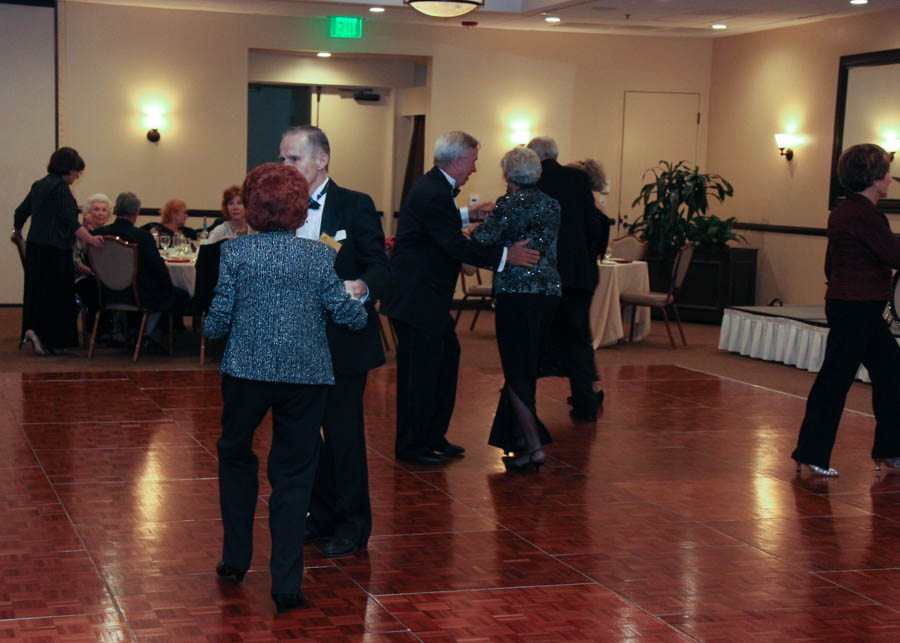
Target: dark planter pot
(716, 279)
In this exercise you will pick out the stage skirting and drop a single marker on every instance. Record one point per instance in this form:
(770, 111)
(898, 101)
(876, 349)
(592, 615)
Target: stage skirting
(793, 335)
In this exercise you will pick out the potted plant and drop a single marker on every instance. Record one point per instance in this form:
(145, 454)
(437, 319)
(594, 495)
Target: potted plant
(676, 204)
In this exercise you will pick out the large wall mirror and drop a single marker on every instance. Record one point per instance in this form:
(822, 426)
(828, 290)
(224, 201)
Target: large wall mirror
(868, 111)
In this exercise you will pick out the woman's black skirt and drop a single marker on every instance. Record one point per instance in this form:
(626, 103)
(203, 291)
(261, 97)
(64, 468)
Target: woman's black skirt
(48, 306)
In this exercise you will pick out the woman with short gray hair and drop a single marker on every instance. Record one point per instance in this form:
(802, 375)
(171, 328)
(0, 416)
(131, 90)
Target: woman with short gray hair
(526, 301)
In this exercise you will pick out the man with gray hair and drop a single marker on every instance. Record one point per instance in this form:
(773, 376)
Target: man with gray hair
(583, 234)
(153, 281)
(425, 264)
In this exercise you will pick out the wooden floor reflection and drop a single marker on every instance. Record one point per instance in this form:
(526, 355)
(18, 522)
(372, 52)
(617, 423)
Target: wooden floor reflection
(678, 516)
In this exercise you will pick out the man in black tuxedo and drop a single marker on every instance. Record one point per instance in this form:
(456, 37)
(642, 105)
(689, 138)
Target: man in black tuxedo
(583, 234)
(339, 511)
(425, 264)
(153, 280)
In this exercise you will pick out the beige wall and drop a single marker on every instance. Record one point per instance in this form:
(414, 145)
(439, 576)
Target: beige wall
(765, 83)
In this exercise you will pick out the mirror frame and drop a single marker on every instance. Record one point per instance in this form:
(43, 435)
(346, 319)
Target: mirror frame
(870, 59)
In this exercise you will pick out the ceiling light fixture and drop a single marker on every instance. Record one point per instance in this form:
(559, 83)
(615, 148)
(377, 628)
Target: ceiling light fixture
(720, 26)
(551, 19)
(376, 9)
(859, 1)
(444, 8)
(324, 54)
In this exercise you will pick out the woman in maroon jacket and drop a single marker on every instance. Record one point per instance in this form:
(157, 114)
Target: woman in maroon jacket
(862, 249)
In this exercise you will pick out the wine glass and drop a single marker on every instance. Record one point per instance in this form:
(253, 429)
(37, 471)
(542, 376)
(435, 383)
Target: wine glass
(164, 242)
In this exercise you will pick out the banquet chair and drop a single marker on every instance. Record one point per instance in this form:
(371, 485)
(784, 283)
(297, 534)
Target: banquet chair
(19, 243)
(207, 268)
(484, 293)
(663, 300)
(628, 247)
(115, 266)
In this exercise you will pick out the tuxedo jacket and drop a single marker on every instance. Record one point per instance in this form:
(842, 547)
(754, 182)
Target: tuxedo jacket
(583, 229)
(427, 254)
(153, 280)
(361, 256)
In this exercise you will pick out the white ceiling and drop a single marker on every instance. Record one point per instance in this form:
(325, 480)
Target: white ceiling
(685, 18)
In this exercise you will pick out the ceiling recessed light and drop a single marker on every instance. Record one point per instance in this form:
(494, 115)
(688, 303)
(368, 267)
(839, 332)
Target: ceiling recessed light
(376, 9)
(720, 26)
(324, 54)
(859, 1)
(551, 19)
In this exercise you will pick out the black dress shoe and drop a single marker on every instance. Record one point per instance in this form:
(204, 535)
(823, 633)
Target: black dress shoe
(580, 417)
(599, 396)
(313, 535)
(340, 547)
(286, 602)
(229, 572)
(425, 458)
(450, 450)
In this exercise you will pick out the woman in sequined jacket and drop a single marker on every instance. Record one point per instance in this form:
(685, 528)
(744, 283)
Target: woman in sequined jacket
(526, 301)
(271, 300)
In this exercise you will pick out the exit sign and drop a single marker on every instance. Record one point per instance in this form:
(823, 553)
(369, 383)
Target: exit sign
(343, 27)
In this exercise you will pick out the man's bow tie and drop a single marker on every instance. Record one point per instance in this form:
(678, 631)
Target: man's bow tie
(313, 204)
(455, 192)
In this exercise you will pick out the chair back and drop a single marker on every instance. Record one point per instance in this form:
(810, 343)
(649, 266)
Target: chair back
(207, 268)
(628, 247)
(19, 242)
(115, 265)
(680, 267)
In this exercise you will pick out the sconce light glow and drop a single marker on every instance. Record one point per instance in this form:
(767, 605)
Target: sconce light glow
(785, 141)
(891, 143)
(521, 133)
(153, 118)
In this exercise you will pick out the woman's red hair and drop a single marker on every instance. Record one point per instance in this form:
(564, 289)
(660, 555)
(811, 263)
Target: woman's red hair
(276, 197)
(228, 195)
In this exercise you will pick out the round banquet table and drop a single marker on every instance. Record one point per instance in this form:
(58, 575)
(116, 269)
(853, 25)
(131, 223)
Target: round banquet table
(608, 324)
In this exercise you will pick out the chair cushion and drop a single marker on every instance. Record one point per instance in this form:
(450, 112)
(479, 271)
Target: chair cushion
(646, 298)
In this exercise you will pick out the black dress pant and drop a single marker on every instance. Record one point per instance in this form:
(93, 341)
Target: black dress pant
(297, 411)
(48, 306)
(523, 322)
(340, 498)
(857, 334)
(572, 334)
(427, 370)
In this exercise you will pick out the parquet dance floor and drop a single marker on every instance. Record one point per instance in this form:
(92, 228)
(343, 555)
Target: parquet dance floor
(677, 517)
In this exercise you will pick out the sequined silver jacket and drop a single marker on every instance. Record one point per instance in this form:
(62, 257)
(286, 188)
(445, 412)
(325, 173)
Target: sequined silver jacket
(273, 292)
(527, 214)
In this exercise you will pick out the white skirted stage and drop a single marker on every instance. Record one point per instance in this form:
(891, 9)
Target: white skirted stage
(793, 335)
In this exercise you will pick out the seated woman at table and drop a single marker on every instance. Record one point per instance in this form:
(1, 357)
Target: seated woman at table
(171, 221)
(235, 217)
(96, 213)
(271, 301)
(526, 301)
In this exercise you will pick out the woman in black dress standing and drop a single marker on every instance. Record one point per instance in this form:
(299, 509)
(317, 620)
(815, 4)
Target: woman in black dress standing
(48, 311)
(526, 301)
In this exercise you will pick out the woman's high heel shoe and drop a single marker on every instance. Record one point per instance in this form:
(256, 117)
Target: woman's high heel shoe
(893, 463)
(31, 336)
(816, 470)
(523, 463)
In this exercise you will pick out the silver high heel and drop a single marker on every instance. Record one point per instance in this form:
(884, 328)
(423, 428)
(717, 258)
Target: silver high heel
(893, 463)
(31, 336)
(816, 470)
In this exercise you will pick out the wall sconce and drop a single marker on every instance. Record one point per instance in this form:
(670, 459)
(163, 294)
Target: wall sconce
(890, 146)
(154, 120)
(784, 143)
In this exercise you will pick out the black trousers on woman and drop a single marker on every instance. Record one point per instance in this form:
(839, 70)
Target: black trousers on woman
(48, 305)
(296, 417)
(857, 334)
(523, 323)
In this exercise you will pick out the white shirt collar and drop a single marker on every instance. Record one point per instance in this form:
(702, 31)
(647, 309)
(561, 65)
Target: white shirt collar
(449, 178)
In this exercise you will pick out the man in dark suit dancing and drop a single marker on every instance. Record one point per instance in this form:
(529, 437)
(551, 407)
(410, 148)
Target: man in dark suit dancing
(583, 234)
(339, 511)
(425, 264)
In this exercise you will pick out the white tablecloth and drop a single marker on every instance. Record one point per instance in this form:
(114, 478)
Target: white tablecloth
(608, 325)
(776, 339)
(184, 275)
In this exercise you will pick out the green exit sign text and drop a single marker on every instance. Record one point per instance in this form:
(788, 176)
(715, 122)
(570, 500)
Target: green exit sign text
(343, 27)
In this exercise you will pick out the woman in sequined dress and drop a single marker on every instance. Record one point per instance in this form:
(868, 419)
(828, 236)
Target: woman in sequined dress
(526, 301)
(273, 292)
